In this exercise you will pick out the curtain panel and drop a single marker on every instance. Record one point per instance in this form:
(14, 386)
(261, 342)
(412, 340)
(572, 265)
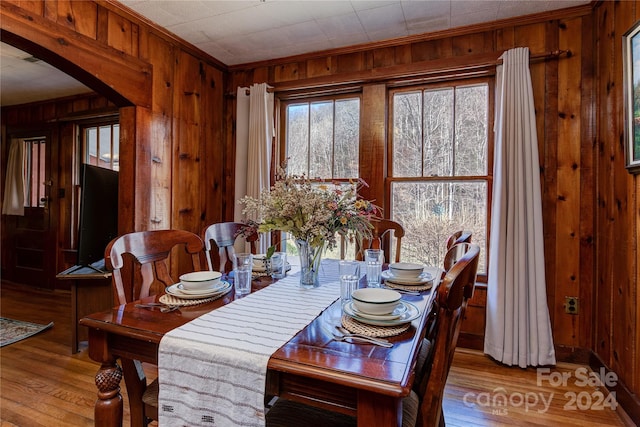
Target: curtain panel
(254, 140)
(518, 328)
(13, 202)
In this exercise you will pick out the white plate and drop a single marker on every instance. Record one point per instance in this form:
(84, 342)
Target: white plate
(410, 314)
(220, 285)
(395, 314)
(420, 280)
(176, 292)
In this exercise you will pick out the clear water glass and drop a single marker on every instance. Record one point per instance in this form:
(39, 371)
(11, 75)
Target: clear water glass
(242, 273)
(349, 268)
(279, 265)
(373, 258)
(348, 284)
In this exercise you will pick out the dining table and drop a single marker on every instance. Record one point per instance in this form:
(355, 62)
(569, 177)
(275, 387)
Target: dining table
(355, 378)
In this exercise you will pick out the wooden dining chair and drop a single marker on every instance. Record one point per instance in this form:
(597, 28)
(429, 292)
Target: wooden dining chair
(425, 400)
(138, 262)
(423, 406)
(219, 239)
(382, 230)
(459, 236)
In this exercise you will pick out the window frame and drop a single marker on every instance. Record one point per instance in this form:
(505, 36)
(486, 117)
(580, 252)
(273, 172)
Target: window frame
(82, 126)
(284, 104)
(390, 179)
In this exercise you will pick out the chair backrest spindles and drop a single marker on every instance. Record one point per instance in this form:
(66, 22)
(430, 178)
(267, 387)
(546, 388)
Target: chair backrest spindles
(148, 252)
(382, 229)
(221, 236)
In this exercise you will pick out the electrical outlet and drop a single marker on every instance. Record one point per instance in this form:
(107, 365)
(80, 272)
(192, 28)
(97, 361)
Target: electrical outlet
(571, 305)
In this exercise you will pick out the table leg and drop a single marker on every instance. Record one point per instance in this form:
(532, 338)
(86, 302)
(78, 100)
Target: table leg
(108, 410)
(377, 410)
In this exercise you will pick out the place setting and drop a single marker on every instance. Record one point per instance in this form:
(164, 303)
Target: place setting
(196, 288)
(407, 276)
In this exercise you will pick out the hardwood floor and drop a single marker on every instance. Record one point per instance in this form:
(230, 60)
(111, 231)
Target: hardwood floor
(43, 384)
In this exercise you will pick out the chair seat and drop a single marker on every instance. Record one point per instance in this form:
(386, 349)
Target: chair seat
(287, 413)
(150, 399)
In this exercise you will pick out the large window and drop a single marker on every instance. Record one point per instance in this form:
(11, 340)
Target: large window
(440, 177)
(323, 137)
(322, 140)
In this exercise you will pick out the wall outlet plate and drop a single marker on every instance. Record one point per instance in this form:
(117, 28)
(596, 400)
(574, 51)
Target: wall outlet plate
(571, 305)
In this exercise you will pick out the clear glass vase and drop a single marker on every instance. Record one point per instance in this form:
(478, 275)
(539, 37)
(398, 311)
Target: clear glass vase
(310, 257)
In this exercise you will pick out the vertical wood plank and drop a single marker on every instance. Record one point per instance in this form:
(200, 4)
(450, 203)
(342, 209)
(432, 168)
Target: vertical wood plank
(80, 16)
(373, 143)
(568, 208)
(604, 244)
(587, 186)
(549, 154)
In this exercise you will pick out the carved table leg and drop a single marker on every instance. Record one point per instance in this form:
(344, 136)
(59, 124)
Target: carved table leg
(108, 409)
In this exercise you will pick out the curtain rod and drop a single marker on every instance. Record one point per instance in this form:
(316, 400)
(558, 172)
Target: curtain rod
(269, 90)
(538, 57)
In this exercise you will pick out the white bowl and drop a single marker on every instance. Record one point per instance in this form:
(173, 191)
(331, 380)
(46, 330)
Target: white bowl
(200, 280)
(375, 300)
(406, 270)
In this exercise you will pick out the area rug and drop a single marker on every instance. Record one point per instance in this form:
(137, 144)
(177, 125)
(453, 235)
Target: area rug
(15, 330)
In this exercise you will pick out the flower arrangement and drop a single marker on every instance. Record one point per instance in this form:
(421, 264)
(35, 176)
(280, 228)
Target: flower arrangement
(312, 210)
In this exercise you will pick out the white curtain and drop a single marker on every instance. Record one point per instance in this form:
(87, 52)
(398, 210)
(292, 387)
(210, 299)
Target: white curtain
(518, 328)
(13, 202)
(254, 137)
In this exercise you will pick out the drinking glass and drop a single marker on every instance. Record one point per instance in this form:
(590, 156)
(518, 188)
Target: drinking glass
(349, 268)
(348, 284)
(373, 258)
(242, 270)
(279, 265)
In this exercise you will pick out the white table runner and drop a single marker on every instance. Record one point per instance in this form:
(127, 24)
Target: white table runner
(212, 370)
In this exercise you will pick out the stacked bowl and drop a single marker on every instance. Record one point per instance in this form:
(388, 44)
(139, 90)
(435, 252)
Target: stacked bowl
(375, 301)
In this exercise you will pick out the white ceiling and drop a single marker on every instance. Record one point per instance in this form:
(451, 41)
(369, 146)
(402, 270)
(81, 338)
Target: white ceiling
(239, 31)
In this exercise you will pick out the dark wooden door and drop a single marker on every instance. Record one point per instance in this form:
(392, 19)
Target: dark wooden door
(31, 238)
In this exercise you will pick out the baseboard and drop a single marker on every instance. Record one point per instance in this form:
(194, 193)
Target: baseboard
(628, 401)
(472, 341)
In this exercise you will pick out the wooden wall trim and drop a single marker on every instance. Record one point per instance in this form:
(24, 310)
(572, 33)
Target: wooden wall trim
(124, 79)
(418, 72)
(567, 13)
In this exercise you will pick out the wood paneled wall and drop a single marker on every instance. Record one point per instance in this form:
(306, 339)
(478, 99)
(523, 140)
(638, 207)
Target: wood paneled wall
(590, 203)
(616, 281)
(170, 99)
(179, 145)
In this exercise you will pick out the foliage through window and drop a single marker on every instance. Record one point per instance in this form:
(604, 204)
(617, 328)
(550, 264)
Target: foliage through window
(322, 140)
(440, 179)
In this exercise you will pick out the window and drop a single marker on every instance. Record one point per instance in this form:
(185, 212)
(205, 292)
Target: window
(440, 166)
(322, 140)
(101, 145)
(34, 172)
(323, 137)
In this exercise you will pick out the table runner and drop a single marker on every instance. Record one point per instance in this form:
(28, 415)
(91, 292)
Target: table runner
(212, 370)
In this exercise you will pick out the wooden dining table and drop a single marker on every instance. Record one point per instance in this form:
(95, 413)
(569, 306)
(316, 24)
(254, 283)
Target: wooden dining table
(363, 380)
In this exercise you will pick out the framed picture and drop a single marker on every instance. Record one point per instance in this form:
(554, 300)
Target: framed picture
(631, 71)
